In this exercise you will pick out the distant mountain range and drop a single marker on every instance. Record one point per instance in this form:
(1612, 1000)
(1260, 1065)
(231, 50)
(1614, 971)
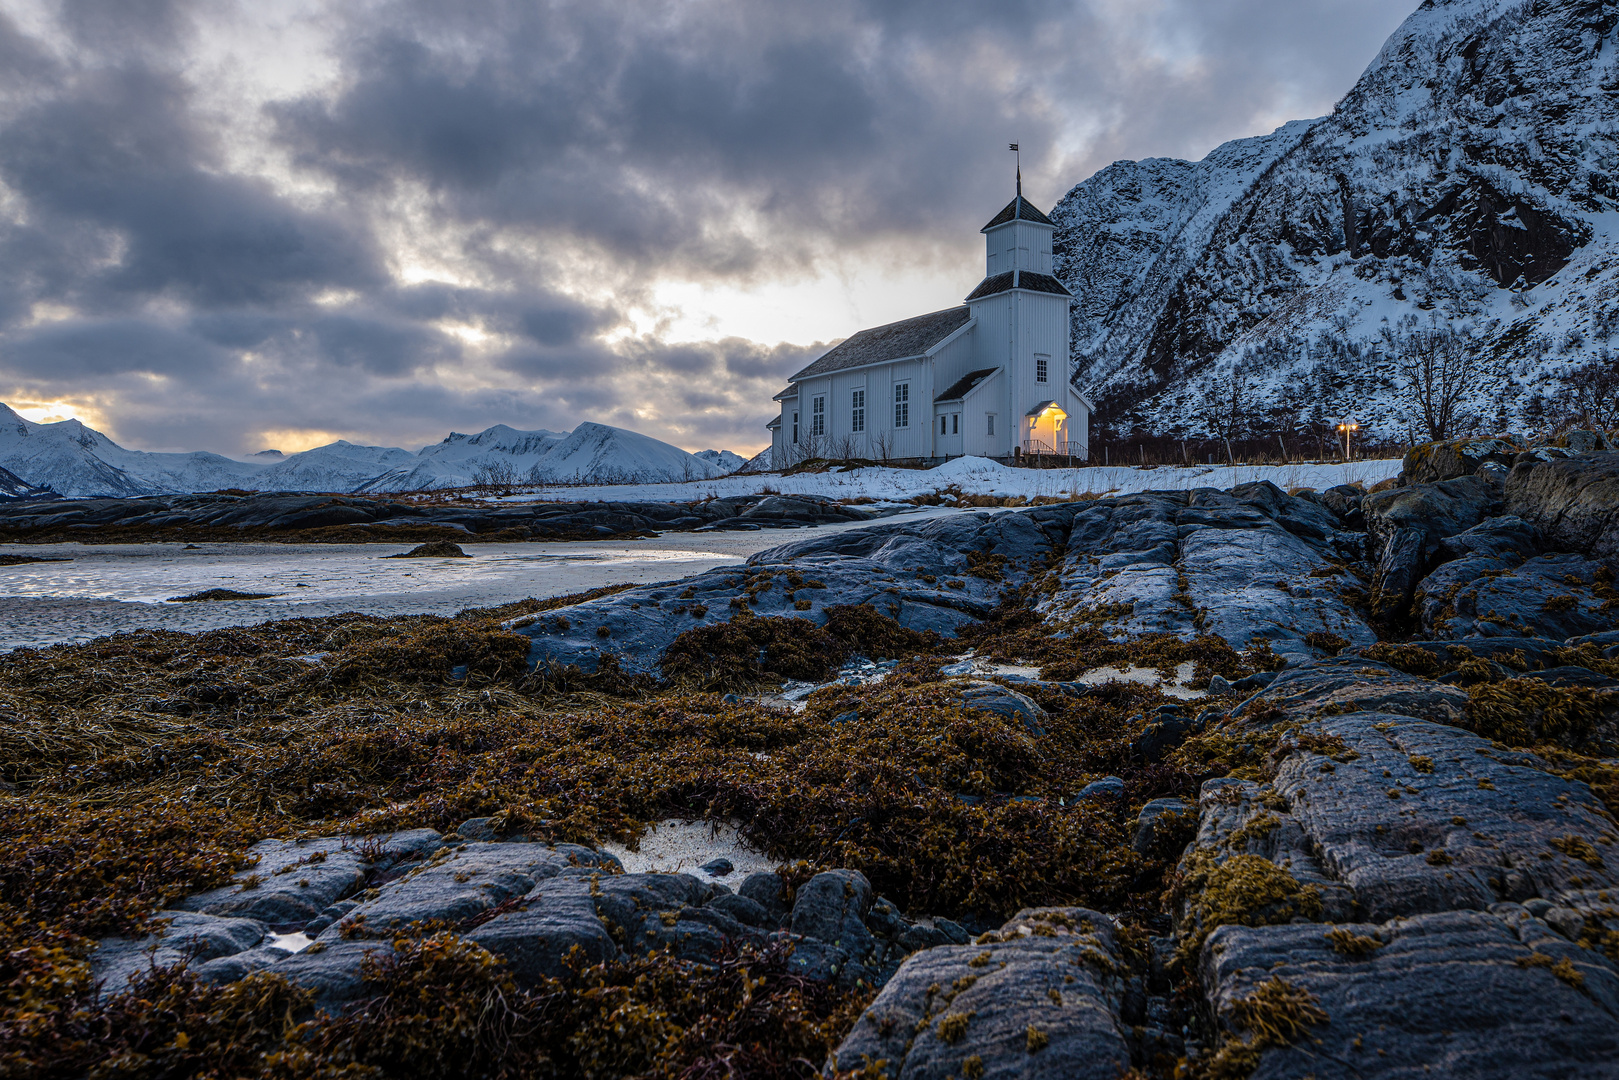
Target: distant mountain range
(71, 459)
(1469, 182)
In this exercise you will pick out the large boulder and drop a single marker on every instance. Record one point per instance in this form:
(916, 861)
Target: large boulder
(1574, 502)
(1550, 596)
(832, 907)
(1040, 998)
(1435, 461)
(1404, 528)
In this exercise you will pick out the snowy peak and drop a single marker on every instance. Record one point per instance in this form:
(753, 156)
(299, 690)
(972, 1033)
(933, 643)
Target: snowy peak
(598, 454)
(1465, 181)
(77, 461)
(723, 460)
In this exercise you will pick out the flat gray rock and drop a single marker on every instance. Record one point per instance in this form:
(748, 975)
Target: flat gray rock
(1416, 817)
(1456, 994)
(1549, 596)
(539, 942)
(921, 574)
(334, 970)
(459, 883)
(1039, 1001)
(1252, 563)
(1352, 682)
(190, 937)
(292, 881)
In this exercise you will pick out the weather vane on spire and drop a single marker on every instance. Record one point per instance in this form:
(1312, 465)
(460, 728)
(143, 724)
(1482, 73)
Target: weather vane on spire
(1014, 148)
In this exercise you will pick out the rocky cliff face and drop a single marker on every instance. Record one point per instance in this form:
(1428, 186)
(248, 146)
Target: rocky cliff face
(1467, 181)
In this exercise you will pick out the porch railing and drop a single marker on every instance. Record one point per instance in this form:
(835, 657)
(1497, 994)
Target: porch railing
(1039, 447)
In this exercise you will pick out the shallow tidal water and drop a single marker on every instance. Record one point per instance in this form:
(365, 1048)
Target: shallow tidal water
(109, 588)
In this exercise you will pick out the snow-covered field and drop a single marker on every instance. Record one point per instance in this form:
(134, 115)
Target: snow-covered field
(980, 476)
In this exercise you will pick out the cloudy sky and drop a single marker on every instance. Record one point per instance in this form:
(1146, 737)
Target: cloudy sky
(276, 223)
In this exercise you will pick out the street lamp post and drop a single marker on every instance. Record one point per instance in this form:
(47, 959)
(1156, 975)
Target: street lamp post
(1347, 429)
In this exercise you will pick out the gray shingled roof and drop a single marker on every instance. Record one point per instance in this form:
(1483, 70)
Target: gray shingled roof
(896, 341)
(1018, 279)
(962, 386)
(1019, 209)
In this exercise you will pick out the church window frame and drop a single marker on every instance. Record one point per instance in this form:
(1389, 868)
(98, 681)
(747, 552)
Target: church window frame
(857, 411)
(902, 405)
(795, 428)
(818, 416)
(990, 425)
(943, 424)
(1042, 367)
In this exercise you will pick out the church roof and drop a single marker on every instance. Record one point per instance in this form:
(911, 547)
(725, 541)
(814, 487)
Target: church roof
(896, 341)
(963, 386)
(1019, 209)
(1018, 279)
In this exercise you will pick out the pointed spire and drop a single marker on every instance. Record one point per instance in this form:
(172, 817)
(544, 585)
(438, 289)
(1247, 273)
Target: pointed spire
(1014, 148)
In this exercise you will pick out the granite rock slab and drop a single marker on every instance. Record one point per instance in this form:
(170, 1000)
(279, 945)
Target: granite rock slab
(938, 575)
(1456, 994)
(1040, 998)
(189, 937)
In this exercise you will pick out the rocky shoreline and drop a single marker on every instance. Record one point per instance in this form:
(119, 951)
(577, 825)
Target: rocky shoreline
(347, 519)
(1367, 834)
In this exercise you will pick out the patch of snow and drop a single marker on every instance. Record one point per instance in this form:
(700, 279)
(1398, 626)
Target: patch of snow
(294, 943)
(1175, 687)
(683, 847)
(981, 476)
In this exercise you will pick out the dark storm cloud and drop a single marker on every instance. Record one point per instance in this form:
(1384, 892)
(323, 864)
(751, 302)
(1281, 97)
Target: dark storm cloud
(563, 157)
(88, 348)
(117, 160)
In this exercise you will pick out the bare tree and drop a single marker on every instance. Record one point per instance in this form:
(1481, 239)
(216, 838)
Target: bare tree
(1590, 394)
(883, 443)
(1226, 414)
(844, 447)
(1442, 367)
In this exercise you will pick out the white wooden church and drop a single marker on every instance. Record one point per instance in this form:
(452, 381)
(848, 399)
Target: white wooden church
(988, 378)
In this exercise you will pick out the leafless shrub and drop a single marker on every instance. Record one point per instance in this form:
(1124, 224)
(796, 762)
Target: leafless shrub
(495, 477)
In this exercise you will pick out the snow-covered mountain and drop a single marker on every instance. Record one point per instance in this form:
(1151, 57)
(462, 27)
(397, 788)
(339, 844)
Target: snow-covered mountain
(15, 487)
(723, 460)
(1469, 180)
(74, 460)
(598, 454)
(499, 454)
